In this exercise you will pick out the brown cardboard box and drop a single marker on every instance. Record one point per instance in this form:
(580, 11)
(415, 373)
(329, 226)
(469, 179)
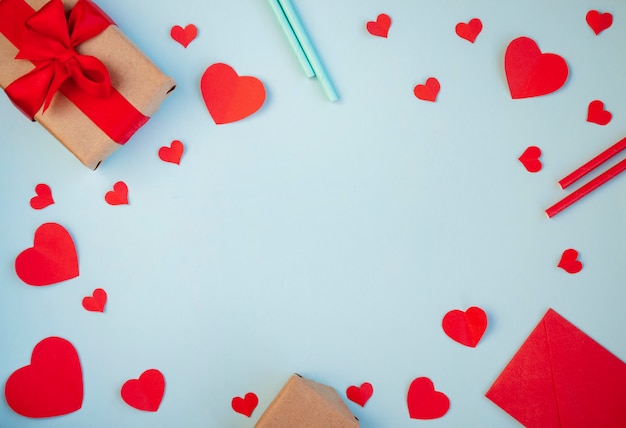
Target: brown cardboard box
(132, 74)
(303, 403)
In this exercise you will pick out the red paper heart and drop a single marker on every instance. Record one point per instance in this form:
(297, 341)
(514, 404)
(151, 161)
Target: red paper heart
(380, 27)
(466, 328)
(469, 31)
(51, 259)
(424, 402)
(245, 405)
(184, 36)
(52, 385)
(597, 114)
(228, 96)
(360, 394)
(429, 91)
(119, 194)
(43, 197)
(173, 153)
(599, 21)
(530, 159)
(569, 261)
(95, 302)
(531, 73)
(146, 392)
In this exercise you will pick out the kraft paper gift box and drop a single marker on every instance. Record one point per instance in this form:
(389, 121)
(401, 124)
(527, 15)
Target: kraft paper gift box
(66, 65)
(303, 403)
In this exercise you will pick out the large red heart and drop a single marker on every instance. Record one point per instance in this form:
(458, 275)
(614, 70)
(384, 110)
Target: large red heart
(51, 259)
(380, 27)
(146, 392)
(52, 385)
(424, 402)
(173, 153)
(228, 96)
(531, 73)
(569, 261)
(467, 327)
(117, 196)
(42, 198)
(469, 31)
(599, 21)
(597, 114)
(360, 394)
(245, 405)
(184, 36)
(530, 159)
(96, 302)
(428, 91)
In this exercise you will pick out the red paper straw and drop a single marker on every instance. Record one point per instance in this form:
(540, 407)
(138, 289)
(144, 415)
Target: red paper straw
(593, 164)
(585, 189)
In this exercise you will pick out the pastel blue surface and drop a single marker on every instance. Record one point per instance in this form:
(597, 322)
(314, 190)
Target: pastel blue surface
(327, 239)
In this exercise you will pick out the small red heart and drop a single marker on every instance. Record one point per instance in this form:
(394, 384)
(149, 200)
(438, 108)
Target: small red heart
(599, 21)
(466, 328)
(530, 159)
(184, 36)
(245, 405)
(96, 302)
(43, 197)
(469, 31)
(424, 402)
(119, 194)
(597, 114)
(380, 27)
(52, 385)
(146, 392)
(173, 153)
(531, 73)
(51, 259)
(228, 96)
(360, 394)
(429, 91)
(569, 261)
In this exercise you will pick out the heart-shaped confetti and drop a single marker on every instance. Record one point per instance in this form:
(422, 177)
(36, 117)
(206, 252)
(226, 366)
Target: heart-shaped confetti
(569, 261)
(51, 259)
(96, 302)
(531, 73)
(245, 405)
(184, 36)
(428, 91)
(52, 385)
(146, 392)
(599, 21)
(360, 394)
(466, 328)
(530, 159)
(173, 153)
(42, 198)
(597, 114)
(469, 31)
(380, 27)
(119, 194)
(228, 96)
(424, 402)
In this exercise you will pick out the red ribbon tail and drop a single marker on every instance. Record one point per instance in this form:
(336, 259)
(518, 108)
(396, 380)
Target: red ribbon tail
(23, 90)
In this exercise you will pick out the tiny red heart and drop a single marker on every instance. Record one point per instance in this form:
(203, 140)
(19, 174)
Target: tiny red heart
(530, 159)
(43, 197)
(173, 153)
(52, 385)
(96, 302)
(428, 91)
(245, 405)
(184, 36)
(469, 31)
(146, 392)
(597, 114)
(360, 394)
(466, 328)
(599, 21)
(119, 194)
(380, 27)
(424, 402)
(569, 261)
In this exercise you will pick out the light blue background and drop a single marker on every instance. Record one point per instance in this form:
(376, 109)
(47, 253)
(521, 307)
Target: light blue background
(325, 239)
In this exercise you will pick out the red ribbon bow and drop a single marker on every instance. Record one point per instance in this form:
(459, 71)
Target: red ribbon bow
(52, 42)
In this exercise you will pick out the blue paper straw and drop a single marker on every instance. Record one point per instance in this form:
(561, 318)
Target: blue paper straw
(309, 50)
(291, 36)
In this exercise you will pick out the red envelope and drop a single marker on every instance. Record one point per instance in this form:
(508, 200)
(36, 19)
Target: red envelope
(561, 377)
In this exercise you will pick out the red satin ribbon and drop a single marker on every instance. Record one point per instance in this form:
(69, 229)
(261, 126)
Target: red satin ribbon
(48, 39)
